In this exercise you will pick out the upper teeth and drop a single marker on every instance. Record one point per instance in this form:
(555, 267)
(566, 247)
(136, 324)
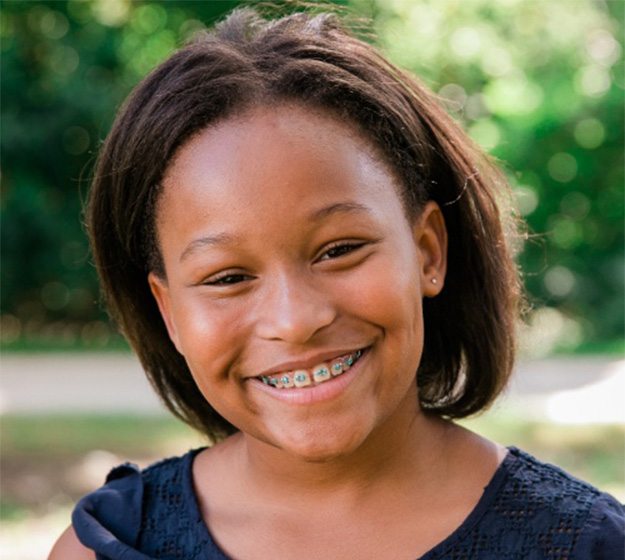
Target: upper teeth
(318, 374)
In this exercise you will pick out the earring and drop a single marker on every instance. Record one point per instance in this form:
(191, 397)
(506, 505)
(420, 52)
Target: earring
(434, 281)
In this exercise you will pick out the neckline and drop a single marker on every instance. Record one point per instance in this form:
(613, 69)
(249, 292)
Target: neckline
(489, 494)
(491, 490)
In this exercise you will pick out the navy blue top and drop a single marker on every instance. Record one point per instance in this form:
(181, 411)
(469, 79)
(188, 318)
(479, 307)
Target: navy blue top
(528, 511)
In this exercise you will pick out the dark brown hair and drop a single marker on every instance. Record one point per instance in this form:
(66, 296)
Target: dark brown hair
(310, 60)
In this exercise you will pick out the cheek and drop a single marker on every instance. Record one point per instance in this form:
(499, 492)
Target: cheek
(387, 294)
(208, 335)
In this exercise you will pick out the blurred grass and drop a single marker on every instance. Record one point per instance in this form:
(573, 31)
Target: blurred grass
(49, 461)
(41, 345)
(77, 434)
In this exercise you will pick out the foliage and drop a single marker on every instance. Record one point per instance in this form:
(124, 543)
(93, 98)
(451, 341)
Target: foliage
(538, 84)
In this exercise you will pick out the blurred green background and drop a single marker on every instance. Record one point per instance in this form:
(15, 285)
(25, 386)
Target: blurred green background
(539, 84)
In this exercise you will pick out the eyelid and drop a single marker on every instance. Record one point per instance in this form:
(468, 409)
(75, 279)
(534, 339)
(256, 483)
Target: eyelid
(352, 244)
(217, 280)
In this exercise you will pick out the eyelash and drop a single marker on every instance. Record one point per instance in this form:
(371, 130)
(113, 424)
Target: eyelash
(226, 280)
(342, 248)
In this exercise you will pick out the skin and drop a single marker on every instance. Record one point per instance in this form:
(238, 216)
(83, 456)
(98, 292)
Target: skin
(285, 241)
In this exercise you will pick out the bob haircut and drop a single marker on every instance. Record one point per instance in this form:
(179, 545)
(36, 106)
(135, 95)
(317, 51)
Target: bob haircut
(310, 60)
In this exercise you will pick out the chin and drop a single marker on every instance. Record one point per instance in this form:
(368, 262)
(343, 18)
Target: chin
(322, 445)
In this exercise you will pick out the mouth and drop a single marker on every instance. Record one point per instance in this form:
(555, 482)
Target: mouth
(317, 375)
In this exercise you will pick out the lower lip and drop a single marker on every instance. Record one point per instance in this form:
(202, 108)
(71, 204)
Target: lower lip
(310, 395)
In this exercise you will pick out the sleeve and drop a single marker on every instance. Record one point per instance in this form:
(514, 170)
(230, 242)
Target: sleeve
(603, 535)
(108, 520)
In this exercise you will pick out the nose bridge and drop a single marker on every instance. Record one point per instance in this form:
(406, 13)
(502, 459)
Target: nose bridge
(292, 308)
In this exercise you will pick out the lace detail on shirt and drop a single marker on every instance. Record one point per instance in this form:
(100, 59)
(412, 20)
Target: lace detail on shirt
(538, 513)
(170, 528)
(529, 511)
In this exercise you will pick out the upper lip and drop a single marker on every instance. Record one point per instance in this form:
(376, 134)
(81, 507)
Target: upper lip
(308, 362)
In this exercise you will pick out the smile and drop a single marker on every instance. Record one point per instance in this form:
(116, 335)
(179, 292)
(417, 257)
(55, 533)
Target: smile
(311, 377)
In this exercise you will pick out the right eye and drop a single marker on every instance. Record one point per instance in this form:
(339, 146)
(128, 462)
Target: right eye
(226, 280)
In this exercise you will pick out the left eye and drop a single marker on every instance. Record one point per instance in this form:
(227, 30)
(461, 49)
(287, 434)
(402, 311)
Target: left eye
(340, 250)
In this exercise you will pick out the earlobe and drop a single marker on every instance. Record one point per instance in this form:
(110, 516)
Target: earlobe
(160, 291)
(431, 241)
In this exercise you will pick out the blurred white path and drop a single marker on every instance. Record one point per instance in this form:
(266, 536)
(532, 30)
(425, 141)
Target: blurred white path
(570, 390)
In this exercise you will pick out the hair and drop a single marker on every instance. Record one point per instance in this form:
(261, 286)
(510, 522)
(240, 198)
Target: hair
(311, 60)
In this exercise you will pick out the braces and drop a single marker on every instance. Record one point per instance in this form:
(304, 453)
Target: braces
(320, 373)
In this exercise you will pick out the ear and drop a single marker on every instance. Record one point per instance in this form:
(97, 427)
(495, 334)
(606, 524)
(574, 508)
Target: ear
(430, 235)
(160, 291)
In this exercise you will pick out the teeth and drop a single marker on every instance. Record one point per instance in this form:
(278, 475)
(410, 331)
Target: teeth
(301, 378)
(319, 374)
(337, 367)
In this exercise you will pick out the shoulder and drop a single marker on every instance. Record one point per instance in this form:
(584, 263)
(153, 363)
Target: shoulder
(566, 516)
(111, 519)
(603, 535)
(68, 547)
(531, 481)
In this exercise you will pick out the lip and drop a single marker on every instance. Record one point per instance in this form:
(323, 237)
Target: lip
(310, 395)
(306, 363)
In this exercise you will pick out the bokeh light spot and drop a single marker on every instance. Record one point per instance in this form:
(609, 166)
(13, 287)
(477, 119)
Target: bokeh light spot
(466, 42)
(513, 96)
(602, 47)
(593, 80)
(559, 281)
(589, 133)
(191, 27)
(565, 232)
(497, 62)
(475, 108)
(562, 167)
(486, 133)
(575, 204)
(454, 96)
(149, 18)
(55, 295)
(10, 328)
(54, 25)
(527, 199)
(112, 13)
(64, 60)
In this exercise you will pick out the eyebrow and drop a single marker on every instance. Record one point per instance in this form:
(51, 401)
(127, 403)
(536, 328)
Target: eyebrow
(207, 241)
(339, 207)
(226, 238)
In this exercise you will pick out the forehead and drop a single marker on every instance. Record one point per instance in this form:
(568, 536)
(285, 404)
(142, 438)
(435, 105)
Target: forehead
(286, 158)
(288, 127)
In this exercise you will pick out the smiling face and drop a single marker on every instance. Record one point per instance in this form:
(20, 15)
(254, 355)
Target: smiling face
(286, 246)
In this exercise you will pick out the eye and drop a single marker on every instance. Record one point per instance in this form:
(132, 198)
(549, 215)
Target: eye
(339, 250)
(226, 280)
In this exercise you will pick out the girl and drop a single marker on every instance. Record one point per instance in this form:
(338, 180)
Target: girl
(310, 260)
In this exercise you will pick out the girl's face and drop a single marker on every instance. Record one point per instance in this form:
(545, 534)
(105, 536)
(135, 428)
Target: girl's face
(287, 249)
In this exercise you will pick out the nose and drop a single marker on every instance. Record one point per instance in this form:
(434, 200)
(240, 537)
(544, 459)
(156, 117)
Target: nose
(292, 309)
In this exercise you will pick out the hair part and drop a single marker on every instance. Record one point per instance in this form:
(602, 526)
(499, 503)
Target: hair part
(311, 61)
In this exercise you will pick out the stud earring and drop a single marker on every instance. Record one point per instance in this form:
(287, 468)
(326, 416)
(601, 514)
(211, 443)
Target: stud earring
(434, 281)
